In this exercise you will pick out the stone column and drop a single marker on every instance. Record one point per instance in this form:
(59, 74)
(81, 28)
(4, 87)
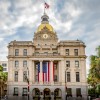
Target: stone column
(30, 71)
(20, 71)
(40, 76)
(59, 71)
(33, 71)
(51, 72)
(62, 63)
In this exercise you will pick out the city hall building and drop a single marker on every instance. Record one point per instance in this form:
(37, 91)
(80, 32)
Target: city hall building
(46, 68)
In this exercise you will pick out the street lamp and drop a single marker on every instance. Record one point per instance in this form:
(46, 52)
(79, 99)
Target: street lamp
(28, 81)
(65, 85)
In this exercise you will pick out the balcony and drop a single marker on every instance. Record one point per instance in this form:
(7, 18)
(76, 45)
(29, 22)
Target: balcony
(48, 83)
(46, 54)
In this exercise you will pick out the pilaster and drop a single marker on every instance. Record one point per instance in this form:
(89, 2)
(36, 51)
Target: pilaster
(51, 72)
(40, 76)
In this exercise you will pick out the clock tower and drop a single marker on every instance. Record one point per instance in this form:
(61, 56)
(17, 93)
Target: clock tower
(45, 34)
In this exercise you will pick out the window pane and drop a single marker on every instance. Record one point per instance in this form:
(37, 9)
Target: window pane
(69, 91)
(16, 52)
(25, 52)
(76, 52)
(16, 63)
(55, 78)
(77, 77)
(78, 91)
(76, 63)
(25, 76)
(67, 52)
(16, 90)
(67, 63)
(24, 63)
(16, 76)
(24, 90)
(4, 64)
(4, 69)
(68, 76)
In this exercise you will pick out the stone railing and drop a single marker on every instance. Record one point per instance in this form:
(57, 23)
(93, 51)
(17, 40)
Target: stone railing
(46, 54)
(47, 83)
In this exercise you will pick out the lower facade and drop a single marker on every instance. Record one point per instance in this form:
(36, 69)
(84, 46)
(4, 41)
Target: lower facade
(46, 92)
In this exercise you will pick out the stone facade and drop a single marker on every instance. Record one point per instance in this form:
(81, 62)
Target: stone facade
(67, 66)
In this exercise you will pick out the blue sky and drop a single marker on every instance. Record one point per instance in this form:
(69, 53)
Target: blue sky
(71, 19)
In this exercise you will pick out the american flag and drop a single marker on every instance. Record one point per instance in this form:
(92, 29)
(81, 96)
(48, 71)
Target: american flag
(46, 71)
(46, 5)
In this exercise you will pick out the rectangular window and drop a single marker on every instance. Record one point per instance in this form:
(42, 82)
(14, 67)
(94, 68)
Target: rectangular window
(25, 52)
(78, 91)
(67, 52)
(16, 76)
(24, 63)
(25, 76)
(76, 63)
(55, 66)
(55, 78)
(4, 69)
(69, 91)
(24, 91)
(16, 63)
(4, 64)
(16, 52)
(36, 72)
(77, 77)
(16, 91)
(68, 76)
(45, 53)
(76, 52)
(67, 63)
(36, 78)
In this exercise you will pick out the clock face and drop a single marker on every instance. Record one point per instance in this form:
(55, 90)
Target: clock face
(45, 36)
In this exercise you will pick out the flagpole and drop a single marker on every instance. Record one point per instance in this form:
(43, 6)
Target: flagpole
(44, 6)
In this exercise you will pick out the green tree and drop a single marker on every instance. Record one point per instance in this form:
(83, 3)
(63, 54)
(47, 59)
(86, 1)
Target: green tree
(1, 68)
(3, 75)
(94, 72)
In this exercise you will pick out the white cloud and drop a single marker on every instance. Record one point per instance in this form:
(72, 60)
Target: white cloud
(73, 20)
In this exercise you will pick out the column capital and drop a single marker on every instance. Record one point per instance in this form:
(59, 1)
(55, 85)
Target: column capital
(40, 60)
(51, 60)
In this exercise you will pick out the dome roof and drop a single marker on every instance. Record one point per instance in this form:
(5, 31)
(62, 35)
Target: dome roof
(47, 25)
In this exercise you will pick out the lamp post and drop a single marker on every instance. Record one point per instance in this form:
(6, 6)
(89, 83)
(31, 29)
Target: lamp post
(28, 82)
(65, 85)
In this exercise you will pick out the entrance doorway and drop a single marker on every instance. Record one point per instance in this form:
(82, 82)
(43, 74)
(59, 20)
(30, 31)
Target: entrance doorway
(57, 94)
(36, 94)
(47, 94)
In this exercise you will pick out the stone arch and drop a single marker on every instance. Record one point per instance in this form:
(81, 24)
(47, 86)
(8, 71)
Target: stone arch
(47, 94)
(57, 94)
(36, 94)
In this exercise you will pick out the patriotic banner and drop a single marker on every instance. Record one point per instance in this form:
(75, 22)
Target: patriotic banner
(46, 71)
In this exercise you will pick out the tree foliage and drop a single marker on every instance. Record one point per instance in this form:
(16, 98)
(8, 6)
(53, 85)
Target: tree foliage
(94, 72)
(3, 75)
(1, 68)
